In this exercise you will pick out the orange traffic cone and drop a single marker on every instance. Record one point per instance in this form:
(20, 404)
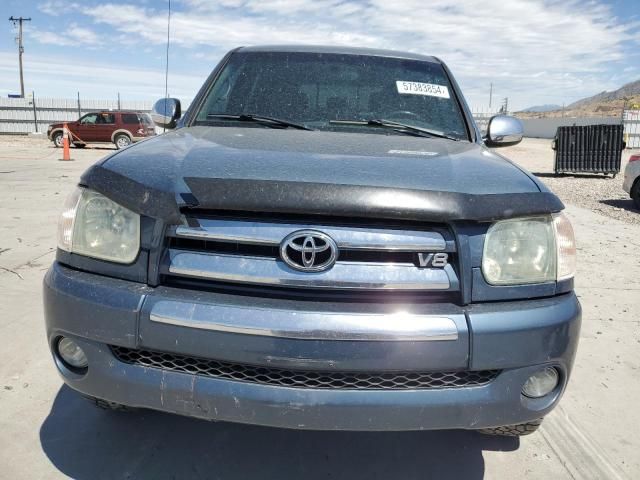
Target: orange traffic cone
(66, 155)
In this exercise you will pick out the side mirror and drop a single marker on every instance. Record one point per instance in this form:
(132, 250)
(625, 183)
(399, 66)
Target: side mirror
(504, 131)
(166, 112)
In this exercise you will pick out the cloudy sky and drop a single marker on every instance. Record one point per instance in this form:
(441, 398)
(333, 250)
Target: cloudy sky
(533, 51)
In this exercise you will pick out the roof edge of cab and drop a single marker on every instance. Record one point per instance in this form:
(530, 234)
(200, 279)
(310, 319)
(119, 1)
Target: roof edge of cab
(378, 52)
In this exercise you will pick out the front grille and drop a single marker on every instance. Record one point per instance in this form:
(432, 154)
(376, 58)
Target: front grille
(246, 252)
(271, 251)
(303, 378)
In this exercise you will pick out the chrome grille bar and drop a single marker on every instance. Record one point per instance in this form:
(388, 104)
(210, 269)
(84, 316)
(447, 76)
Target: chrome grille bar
(399, 326)
(343, 275)
(354, 238)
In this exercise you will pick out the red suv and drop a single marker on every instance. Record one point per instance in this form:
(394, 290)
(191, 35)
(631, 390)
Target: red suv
(121, 128)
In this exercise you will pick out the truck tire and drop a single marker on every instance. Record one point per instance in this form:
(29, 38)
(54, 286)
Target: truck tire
(56, 138)
(513, 430)
(635, 193)
(122, 140)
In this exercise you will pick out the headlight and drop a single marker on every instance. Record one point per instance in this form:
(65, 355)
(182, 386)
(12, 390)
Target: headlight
(529, 250)
(97, 227)
(565, 246)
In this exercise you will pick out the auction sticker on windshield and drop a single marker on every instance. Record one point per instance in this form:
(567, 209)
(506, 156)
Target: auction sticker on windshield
(418, 88)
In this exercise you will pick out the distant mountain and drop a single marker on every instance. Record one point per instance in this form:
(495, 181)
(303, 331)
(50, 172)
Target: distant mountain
(542, 108)
(627, 91)
(603, 104)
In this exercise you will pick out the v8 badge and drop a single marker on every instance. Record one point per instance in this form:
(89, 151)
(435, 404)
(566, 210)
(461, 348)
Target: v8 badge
(433, 260)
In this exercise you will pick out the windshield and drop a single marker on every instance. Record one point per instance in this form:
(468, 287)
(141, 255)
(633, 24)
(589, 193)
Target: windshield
(320, 90)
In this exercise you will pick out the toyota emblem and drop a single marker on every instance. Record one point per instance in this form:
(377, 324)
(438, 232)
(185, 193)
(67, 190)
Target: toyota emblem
(309, 251)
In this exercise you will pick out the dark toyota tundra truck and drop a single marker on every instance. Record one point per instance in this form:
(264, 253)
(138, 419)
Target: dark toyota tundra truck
(324, 242)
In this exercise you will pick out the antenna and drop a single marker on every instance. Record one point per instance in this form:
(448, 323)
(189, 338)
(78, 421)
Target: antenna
(166, 68)
(19, 21)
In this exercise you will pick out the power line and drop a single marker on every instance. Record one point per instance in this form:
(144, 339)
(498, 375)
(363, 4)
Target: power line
(19, 21)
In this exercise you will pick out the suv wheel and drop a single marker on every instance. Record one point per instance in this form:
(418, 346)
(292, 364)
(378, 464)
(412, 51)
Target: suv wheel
(122, 140)
(513, 430)
(635, 193)
(57, 139)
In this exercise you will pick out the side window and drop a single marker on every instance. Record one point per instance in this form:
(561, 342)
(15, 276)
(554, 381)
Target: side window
(106, 118)
(129, 118)
(89, 119)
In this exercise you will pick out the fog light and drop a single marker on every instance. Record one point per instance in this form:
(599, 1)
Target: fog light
(71, 353)
(541, 383)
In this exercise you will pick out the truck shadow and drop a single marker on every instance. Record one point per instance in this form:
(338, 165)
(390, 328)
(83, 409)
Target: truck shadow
(593, 176)
(90, 146)
(620, 203)
(85, 442)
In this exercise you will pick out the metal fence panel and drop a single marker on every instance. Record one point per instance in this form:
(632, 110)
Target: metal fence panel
(26, 115)
(631, 120)
(18, 115)
(591, 148)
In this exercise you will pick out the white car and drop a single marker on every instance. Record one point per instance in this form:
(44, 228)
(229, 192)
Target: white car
(631, 183)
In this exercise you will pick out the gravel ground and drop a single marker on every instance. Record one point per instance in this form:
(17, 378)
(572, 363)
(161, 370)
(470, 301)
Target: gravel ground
(600, 194)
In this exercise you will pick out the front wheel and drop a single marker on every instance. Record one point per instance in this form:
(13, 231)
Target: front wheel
(122, 140)
(513, 430)
(57, 139)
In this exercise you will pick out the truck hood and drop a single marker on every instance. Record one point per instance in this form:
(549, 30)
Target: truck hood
(315, 172)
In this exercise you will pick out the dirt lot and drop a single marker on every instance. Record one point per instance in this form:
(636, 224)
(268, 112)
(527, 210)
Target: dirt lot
(47, 431)
(599, 193)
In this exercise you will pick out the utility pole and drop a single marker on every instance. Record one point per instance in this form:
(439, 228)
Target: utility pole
(490, 95)
(19, 21)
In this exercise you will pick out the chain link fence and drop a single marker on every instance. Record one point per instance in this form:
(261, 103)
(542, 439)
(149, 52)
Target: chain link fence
(33, 114)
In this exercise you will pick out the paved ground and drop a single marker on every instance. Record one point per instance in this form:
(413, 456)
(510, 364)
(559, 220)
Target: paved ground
(47, 431)
(599, 193)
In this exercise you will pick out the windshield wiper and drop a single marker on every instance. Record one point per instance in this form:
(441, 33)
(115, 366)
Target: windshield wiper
(250, 117)
(398, 127)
